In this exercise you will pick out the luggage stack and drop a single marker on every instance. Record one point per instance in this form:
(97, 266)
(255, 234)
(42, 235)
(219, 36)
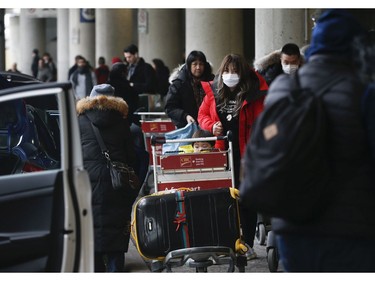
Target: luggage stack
(200, 228)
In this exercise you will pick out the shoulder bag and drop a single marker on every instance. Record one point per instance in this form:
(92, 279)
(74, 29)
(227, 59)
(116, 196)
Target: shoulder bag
(122, 175)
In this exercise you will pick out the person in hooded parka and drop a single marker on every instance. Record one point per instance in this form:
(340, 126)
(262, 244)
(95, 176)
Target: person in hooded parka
(111, 208)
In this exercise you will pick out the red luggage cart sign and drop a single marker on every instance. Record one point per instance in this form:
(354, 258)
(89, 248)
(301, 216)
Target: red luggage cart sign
(194, 170)
(157, 126)
(194, 161)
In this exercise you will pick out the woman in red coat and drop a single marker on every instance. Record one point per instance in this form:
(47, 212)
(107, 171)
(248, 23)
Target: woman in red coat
(233, 101)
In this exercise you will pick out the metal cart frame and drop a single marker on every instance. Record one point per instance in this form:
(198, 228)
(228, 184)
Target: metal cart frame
(197, 171)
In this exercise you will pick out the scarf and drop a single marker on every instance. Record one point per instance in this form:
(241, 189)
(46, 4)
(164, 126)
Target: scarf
(88, 79)
(198, 91)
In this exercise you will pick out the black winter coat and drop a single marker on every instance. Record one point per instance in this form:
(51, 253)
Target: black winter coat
(272, 72)
(144, 78)
(111, 208)
(269, 66)
(351, 211)
(125, 91)
(180, 100)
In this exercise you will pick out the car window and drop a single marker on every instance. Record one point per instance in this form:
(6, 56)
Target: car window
(45, 193)
(29, 135)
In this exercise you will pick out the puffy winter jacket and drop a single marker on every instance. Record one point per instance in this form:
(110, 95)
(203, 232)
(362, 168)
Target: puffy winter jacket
(351, 210)
(180, 100)
(252, 106)
(111, 208)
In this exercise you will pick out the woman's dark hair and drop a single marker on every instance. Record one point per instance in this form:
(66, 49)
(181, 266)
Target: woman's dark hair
(158, 63)
(198, 55)
(248, 83)
(118, 71)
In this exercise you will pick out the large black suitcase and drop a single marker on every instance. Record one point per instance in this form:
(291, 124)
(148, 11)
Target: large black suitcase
(168, 221)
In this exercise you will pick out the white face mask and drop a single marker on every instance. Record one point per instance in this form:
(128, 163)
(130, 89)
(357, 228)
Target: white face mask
(289, 68)
(230, 79)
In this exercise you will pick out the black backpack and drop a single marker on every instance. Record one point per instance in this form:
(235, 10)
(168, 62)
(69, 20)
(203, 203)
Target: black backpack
(286, 169)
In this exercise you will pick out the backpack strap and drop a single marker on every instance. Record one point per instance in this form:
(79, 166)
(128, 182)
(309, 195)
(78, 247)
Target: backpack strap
(100, 140)
(296, 88)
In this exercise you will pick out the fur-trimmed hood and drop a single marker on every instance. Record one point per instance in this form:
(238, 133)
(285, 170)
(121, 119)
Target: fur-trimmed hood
(263, 63)
(175, 73)
(104, 111)
(272, 58)
(102, 102)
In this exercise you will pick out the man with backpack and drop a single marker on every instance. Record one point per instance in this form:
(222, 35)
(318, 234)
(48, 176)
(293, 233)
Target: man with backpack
(331, 227)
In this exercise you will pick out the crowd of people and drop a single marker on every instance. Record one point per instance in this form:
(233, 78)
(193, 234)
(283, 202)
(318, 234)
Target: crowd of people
(232, 99)
(229, 100)
(43, 67)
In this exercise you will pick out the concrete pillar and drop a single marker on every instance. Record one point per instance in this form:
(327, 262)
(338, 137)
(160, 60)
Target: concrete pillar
(82, 34)
(215, 32)
(51, 37)
(276, 27)
(13, 54)
(2, 40)
(113, 32)
(32, 36)
(160, 35)
(63, 58)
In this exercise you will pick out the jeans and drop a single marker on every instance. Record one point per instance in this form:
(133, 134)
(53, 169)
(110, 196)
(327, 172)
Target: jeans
(301, 253)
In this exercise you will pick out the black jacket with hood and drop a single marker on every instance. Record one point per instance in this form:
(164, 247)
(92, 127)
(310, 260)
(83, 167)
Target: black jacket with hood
(269, 66)
(180, 100)
(111, 208)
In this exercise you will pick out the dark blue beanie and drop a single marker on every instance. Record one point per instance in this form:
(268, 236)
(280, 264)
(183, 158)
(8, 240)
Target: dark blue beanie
(334, 33)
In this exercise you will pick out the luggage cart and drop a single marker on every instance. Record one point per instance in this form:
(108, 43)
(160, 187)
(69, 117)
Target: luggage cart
(196, 171)
(153, 123)
(210, 170)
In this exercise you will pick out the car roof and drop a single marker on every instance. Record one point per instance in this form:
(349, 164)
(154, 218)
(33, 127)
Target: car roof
(12, 82)
(10, 79)
(27, 87)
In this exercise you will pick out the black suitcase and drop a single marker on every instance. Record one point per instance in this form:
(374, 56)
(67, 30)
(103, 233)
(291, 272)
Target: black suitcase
(168, 221)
